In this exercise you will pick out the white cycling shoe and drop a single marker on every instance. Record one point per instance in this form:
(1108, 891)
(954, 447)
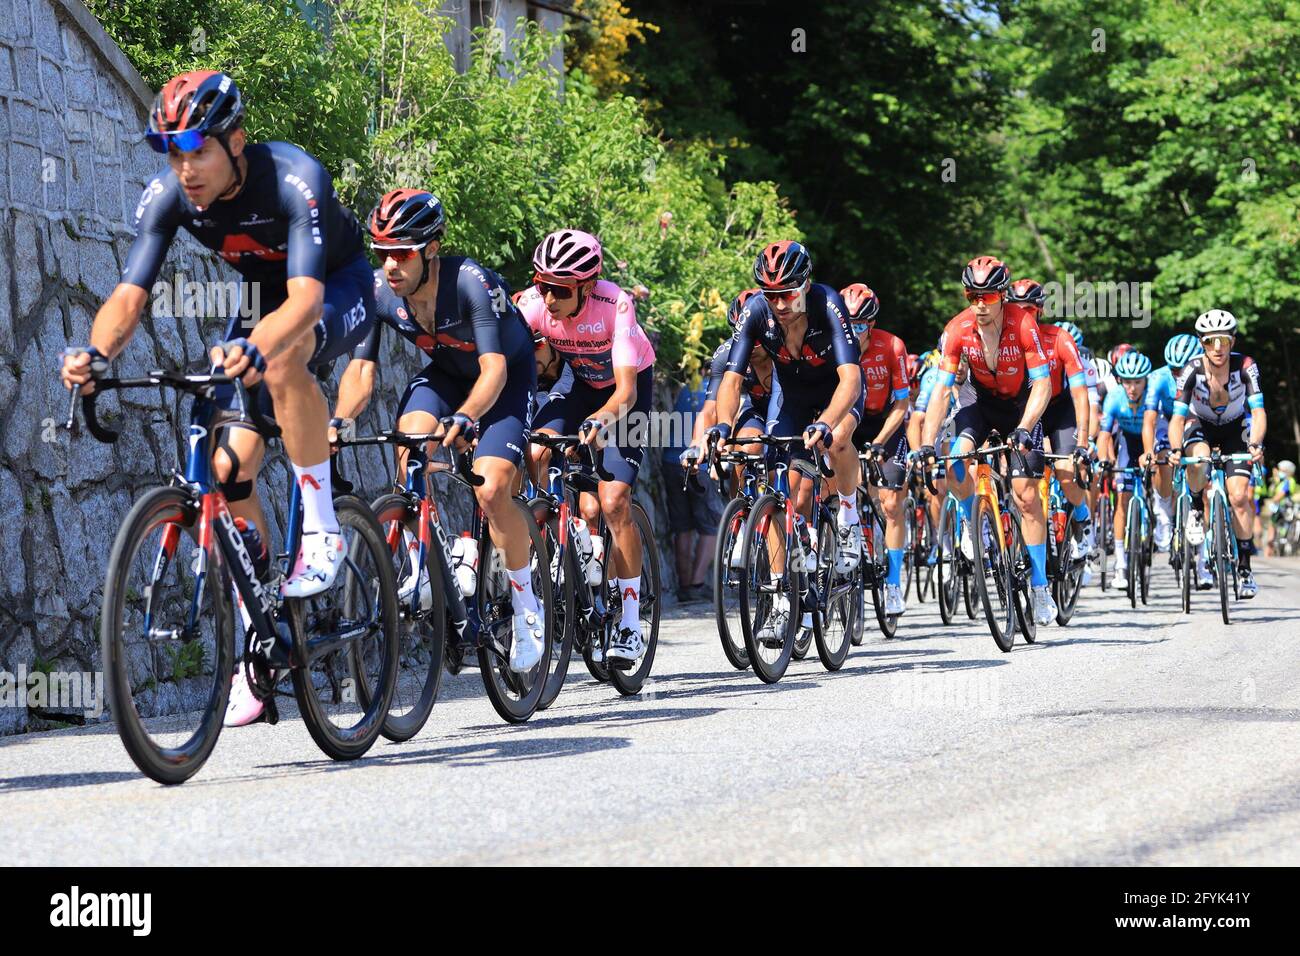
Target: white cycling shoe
(848, 551)
(407, 589)
(1118, 578)
(965, 541)
(894, 603)
(243, 708)
(1044, 606)
(1195, 529)
(1083, 547)
(772, 633)
(1204, 577)
(319, 558)
(1248, 586)
(738, 552)
(628, 644)
(529, 642)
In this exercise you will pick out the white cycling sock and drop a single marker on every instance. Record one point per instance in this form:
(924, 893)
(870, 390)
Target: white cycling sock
(848, 512)
(521, 591)
(630, 591)
(317, 500)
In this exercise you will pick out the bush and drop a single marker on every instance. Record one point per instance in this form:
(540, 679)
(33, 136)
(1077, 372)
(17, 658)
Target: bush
(378, 99)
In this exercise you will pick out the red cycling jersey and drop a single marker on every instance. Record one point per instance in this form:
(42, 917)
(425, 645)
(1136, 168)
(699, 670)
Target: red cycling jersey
(884, 362)
(1020, 354)
(1062, 357)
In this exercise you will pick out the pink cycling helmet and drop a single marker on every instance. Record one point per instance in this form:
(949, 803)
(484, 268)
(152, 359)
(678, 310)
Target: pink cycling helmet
(568, 256)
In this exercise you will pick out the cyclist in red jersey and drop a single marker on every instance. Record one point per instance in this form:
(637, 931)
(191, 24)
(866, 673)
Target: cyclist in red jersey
(1013, 386)
(881, 432)
(1067, 419)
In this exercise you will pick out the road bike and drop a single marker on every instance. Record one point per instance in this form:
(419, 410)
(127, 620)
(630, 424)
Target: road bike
(179, 566)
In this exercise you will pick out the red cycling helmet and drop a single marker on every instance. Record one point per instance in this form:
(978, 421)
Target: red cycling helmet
(406, 218)
(738, 305)
(1027, 292)
(866, 300)
(913, 368)
(782, 266)
(202, 103)
(986, 274)
(1118, 351)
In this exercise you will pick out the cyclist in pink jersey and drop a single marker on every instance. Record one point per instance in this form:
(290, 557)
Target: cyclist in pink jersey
(591, 324)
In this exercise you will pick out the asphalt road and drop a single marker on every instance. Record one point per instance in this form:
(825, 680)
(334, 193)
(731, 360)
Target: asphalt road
(1130, 737)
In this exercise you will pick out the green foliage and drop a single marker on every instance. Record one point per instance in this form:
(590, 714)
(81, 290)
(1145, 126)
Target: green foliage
(510, 155)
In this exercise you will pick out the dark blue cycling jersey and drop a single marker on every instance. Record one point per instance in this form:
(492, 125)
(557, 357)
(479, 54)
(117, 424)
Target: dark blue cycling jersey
(285, 222)
(474, 316)
(827, 342)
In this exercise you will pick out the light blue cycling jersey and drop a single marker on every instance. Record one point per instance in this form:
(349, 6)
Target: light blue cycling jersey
(1116, 409)
(1160, 392)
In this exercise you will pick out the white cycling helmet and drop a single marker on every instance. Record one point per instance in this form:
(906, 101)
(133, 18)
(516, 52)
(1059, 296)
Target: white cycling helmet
(1216, 321)
(1103, 368)
(1286, 467)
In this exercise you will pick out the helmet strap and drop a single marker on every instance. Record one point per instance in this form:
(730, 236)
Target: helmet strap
(239, 176)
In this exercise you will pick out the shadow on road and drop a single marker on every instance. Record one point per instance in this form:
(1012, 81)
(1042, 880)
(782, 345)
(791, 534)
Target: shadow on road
(56, 781)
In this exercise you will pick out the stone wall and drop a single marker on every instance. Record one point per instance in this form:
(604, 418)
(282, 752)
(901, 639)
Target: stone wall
(72, 165)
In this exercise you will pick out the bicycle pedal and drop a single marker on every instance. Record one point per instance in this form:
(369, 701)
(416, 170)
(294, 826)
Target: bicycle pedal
(620, 664)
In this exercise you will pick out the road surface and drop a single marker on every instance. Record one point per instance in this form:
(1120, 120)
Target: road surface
(1130, 737)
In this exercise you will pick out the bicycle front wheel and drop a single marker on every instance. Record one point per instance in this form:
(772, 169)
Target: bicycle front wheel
(726, 583)
(630, 680)
(992, 574)
(1133, 545)
(1222, 556)
(839, 613)
(769, 598)
(422, 625)
(947, 578)
(564, 587)
(167, 637)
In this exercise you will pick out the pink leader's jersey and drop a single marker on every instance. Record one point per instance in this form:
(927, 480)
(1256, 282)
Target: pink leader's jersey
(603, 335)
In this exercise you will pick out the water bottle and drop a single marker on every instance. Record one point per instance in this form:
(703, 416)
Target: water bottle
(806, 553)
(255, 546)
(596, 569)
(464, 561)
(582, 541)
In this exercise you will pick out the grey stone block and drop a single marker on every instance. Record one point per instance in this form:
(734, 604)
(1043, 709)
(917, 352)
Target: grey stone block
(28, 71)
(99, 272)
(52, 84)
(48, 35)
(28, 280)
(23, 116)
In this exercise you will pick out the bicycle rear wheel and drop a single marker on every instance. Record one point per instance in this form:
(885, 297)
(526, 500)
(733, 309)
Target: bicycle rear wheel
(992, 574)
(726, 584)
(1070, 581)
(765, 595)
(876, 556)
(1105, 535)
(167, 637)
(515, 697)
(839, 611)
(346, 641)
(422, 632)
(630, 680)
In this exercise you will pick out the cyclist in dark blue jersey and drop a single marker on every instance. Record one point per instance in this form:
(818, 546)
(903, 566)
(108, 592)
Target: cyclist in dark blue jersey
(270, 211)
(481, 373)
(803, 326)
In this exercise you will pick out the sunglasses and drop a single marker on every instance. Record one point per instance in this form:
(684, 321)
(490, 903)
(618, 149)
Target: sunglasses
(404, 254)
(557, 291)
(987, 298)
(1217, 341)
(186, 141)
(782, 295)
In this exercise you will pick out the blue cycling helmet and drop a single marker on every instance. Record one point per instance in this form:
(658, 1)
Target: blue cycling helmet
(1133, 364)
(1181, 349)
(1075, 332)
